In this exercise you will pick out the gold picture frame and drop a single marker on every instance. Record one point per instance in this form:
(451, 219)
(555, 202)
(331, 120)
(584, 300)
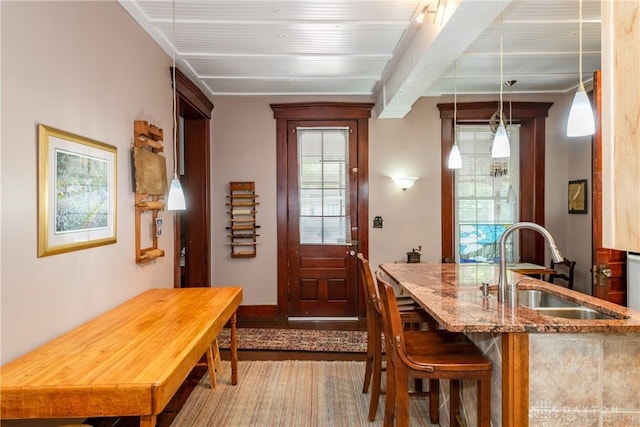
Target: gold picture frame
(77, 192)
(577, 196)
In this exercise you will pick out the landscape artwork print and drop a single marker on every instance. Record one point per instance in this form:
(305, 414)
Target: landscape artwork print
(76, 192)
(82, 192)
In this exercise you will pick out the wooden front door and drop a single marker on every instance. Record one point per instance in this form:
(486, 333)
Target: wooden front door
(323, 208)
(609, 267)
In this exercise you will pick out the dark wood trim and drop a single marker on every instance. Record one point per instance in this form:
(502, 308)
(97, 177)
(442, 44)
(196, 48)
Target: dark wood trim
(531, 116)
(258, 312)
(321, 111)
(195, 107)
(282, 209)
(192, 93)
(447, 216)
(515, 380)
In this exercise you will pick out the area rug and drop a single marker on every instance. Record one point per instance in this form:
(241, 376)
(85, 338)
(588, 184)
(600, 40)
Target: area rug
(288, 393)
(297, 340)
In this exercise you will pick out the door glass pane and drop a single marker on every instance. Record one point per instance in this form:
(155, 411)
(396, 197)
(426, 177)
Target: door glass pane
(485, 206)
(323, 185)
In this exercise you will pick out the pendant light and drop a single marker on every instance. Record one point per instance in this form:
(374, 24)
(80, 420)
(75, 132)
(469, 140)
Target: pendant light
(500, 147)
(175, 200)
(581, 121)
(455, 160)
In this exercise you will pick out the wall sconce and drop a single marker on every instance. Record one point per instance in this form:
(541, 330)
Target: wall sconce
(405, 182)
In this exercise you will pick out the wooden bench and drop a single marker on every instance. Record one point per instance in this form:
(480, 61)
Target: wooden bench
(127, 362)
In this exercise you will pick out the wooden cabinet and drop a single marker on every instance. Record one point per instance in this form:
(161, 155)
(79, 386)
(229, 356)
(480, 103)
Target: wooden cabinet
(242, 219)
(621, 124)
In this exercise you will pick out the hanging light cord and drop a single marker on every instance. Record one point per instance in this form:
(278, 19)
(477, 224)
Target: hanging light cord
(173, 72)
(455, 101)
(580, 44)
(500, 70)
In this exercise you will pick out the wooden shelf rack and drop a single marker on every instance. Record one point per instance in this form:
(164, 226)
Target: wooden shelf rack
(241, 202)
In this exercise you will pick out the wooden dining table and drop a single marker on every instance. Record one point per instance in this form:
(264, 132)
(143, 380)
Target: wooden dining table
(127, 362)
(530, 269)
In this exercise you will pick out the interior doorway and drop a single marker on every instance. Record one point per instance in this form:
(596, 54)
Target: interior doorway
(192, 227)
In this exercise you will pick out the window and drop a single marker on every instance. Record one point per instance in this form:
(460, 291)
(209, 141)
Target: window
(323, 185)
(486, 192)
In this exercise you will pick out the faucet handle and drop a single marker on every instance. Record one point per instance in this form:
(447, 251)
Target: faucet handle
(485, 290)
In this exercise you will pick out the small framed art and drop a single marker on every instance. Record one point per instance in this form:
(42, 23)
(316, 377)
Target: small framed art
(577, 195)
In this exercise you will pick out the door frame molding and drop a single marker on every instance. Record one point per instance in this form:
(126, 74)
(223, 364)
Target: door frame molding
(320, 111)
(531, 116)
(192, 101)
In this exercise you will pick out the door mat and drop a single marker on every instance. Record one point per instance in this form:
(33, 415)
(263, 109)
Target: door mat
(297, 340)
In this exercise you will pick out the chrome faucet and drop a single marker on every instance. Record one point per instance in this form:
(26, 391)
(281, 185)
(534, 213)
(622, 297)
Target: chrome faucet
(509, 292)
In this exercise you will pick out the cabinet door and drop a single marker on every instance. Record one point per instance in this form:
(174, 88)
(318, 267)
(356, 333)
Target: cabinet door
(620, 124)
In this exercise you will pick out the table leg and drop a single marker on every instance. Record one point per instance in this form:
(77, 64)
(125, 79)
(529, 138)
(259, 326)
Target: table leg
(147, 421)
(217, 360)
(211, 364)
(234, 350)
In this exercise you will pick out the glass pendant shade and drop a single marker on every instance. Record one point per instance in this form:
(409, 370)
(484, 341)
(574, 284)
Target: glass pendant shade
(500, 147)
(455, 161)
(175, 200)
(581, 121)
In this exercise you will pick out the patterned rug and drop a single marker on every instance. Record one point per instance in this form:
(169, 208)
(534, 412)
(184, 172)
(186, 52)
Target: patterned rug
(297, 340)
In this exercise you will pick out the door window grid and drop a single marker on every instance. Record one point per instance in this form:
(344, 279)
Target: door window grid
(323, 185)
(483, 206)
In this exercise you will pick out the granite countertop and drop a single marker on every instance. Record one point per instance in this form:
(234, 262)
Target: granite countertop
(452, 294)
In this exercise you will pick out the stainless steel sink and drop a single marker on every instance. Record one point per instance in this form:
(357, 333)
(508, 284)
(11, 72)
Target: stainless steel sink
(584, 313)
(533, 298)
(555, 306)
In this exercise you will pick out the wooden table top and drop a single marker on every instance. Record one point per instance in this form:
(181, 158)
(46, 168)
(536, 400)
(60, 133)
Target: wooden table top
(527, 269)
(128, 361)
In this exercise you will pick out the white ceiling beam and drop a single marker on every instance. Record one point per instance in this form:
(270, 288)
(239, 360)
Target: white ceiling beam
(432, 50)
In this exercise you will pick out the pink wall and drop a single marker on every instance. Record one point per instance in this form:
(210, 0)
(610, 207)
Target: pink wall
(89, 69)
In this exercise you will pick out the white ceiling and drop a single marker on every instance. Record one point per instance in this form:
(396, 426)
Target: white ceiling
(375, 47)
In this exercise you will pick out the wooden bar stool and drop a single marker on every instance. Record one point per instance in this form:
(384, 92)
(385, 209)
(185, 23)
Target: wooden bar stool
(411, 314)
(434, 355)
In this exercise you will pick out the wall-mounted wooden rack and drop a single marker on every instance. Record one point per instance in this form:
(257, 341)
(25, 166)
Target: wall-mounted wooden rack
(242, 228)
(149, 137)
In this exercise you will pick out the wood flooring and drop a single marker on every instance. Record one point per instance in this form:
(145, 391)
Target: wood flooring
(175, 405)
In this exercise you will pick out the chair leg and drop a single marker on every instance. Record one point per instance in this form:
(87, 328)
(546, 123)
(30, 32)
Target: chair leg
(390, 397)
(402, 396)
(375, 386)
(367, 372)
(484, 400)
(434, 401)
(454, 402)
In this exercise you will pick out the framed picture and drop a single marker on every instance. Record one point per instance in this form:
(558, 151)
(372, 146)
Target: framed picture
(577, 196)
(76, 192)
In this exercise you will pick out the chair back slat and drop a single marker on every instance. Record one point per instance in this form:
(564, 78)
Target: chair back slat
(392, 323)
(564, 271)
(368, 284)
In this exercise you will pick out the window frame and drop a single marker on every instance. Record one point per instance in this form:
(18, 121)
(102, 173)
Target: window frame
(532, 117)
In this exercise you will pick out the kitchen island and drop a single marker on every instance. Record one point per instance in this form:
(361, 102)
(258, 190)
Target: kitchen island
(548, 371)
